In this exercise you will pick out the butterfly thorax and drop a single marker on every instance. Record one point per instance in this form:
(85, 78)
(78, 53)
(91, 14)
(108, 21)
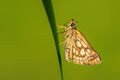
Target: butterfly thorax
(70, 32)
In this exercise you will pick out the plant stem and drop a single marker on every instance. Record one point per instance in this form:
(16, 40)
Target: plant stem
(50, 14)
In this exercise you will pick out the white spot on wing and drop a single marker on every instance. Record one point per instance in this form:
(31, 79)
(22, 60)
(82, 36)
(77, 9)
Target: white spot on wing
(77, 57)
(78, 43)
(83, 58)
(67, 57)
(66, 54)
(88, 50)
(83, 43)
(82, 52)
(80, 58)
(73, 50)
(67, 50)
(87, 54)
(76, 52)
(74, 56)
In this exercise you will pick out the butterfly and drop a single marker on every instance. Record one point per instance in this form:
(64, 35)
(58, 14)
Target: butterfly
(77, 48)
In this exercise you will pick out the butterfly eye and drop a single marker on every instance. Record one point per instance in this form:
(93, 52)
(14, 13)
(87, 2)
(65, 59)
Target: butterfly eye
(73, 24)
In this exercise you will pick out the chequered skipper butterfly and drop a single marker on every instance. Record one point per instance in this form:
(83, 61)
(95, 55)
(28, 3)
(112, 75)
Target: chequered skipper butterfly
(77, 48)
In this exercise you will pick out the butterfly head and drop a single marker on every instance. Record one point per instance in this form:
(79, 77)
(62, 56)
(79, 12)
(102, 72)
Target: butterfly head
(72, 24)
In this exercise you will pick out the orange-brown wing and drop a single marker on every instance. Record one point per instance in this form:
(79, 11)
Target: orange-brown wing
(79, 51)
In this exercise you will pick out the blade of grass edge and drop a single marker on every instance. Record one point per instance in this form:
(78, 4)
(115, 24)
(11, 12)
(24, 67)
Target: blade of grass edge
(50, 14)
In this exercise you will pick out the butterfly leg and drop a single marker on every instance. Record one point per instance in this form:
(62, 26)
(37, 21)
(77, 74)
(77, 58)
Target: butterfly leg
(62, 27)
(63, 32)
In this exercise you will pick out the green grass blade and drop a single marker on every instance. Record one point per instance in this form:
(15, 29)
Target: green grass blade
(50, 14)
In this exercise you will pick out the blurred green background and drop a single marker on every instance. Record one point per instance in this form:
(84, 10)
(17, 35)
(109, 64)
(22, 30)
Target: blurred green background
(27, 49)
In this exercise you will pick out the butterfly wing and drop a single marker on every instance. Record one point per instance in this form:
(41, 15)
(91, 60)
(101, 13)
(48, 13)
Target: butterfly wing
(79, 51)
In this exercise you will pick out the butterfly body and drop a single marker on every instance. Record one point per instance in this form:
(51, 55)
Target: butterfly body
(77, 48)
